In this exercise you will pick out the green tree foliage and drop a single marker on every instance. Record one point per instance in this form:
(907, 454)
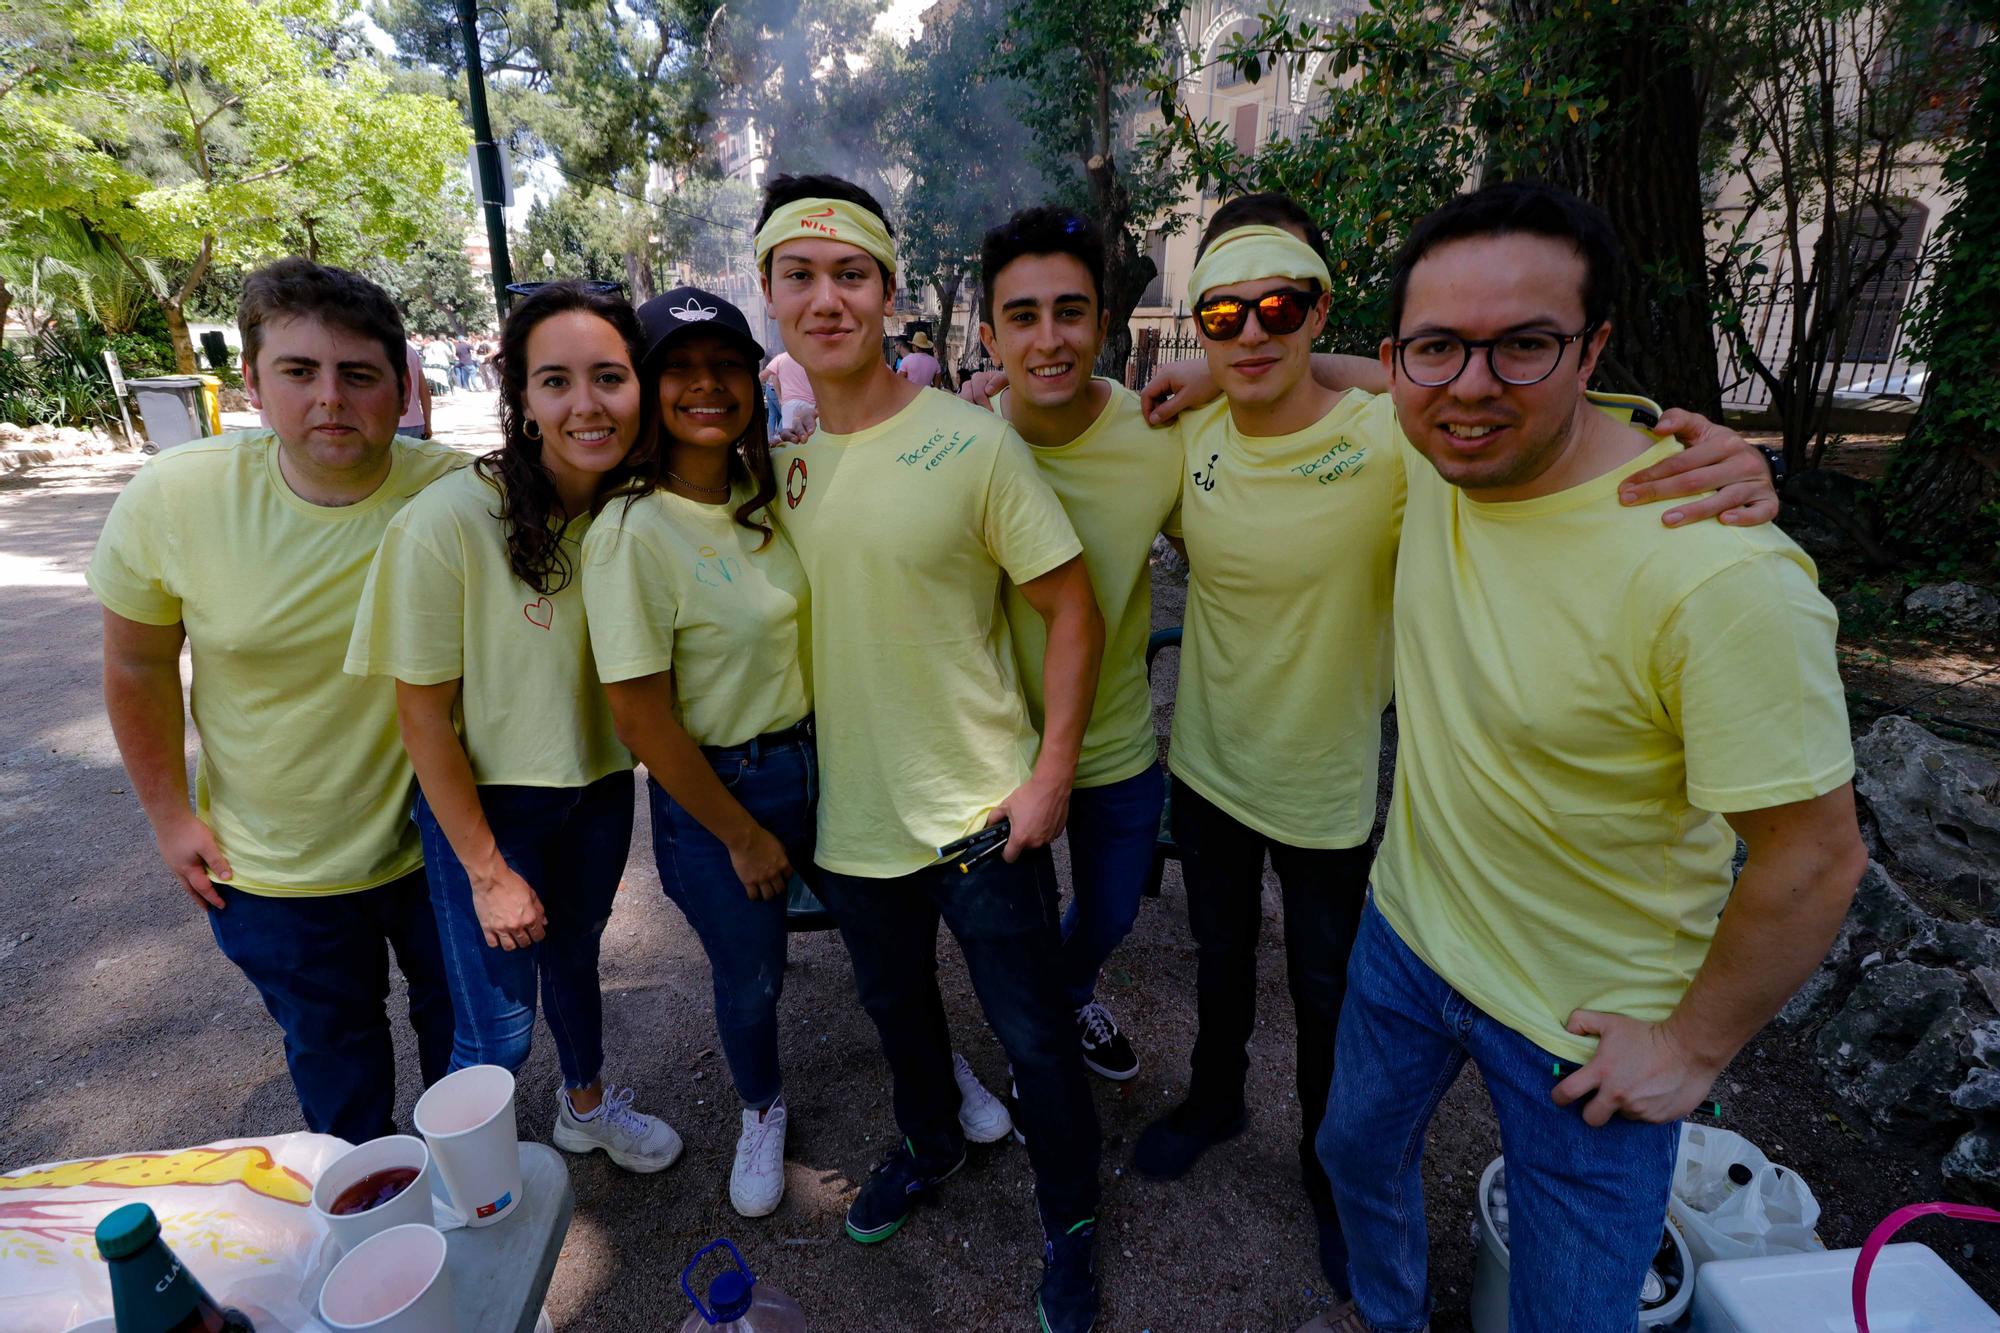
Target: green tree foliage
(219, 131)
(575, 233)
(968, 155)
(435, 288)
(1943, 490)
(705, 226)
(1085, 64)
(810, 74)
(1417, 99)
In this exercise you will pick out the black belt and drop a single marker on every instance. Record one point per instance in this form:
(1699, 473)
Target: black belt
(753, 748)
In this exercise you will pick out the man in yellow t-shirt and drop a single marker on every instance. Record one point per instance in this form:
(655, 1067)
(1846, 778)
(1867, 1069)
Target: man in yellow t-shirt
(907, 509)
(1591, 712)
(252, 549)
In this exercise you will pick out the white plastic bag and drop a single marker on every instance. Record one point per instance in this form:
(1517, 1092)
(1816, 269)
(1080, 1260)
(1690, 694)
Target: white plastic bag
(1772, 1213)
(238, 1213)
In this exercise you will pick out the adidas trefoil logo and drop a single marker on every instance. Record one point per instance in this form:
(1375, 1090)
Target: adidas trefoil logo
(692, 311)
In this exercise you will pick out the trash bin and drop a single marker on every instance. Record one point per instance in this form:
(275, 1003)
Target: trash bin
(171, 407)
(211, 402)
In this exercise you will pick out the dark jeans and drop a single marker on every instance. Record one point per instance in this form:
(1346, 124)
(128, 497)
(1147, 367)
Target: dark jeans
(322, 968)
(744, 938)
(569, 843)
(1112, 833)
(1222, 863)
(1004, 918)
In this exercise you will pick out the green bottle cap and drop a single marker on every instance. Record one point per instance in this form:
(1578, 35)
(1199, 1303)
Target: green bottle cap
(126, 1231)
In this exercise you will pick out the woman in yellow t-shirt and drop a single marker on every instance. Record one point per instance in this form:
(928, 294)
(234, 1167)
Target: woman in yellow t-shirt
(698, 625)
(474, 607)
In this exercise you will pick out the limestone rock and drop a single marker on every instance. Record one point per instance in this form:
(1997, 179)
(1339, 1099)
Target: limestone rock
(1980, 1093)
(1936, 804)
(1898, 1048)
(1960, 607)
(1972, 1167)
(1881, 919)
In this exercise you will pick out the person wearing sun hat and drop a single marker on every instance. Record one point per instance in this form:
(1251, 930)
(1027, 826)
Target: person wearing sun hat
(698, 621)
(920, 367)
(908, 509)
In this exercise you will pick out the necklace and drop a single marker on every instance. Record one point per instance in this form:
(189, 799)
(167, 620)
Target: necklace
(722, 491)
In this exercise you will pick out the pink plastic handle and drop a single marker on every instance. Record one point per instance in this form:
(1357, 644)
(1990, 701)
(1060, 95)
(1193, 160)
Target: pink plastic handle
(1888, 1227)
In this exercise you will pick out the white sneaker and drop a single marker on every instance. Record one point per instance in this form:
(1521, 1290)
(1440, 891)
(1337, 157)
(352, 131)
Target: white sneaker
(981, 1115)
(633, 1139)
(757, 1181)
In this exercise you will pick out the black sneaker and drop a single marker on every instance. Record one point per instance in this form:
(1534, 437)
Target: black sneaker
(891, 1192)
(1173, 1143)
(1105, 1049)
(1067, 1300)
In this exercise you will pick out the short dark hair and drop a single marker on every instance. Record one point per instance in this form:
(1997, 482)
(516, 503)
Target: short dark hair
(298, 288)
(785, 189)
(1047, 230)
(1268, 209)
(1511, 208)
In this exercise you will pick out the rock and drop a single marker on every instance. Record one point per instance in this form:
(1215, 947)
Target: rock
(1980, 1093)
(1972, 1167)
(1960, 607)
(1986, 1044)
(1898, 1048)
(1823, 487)
(1989, 981)
(11, 433)
(1936, 803)
(1881, 918)
(1167, 558)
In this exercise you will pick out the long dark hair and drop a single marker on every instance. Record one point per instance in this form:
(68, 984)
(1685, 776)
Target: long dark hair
(529, 506)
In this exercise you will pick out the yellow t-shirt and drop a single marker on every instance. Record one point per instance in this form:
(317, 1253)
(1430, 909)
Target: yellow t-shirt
(1285, 656)
(1118, 481)
(673, 584)
(1577, 687)
(905, 531)
(302, 773)
(443, 604)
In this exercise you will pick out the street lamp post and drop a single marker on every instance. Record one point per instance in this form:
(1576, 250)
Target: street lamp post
(492, 190)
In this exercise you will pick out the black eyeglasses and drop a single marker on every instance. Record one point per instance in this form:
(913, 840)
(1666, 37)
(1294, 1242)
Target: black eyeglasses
(594, 287)
(1280, 312)
(1530, 356)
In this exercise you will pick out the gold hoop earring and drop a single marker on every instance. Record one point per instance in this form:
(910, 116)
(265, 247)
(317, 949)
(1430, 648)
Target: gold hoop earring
(533, 429)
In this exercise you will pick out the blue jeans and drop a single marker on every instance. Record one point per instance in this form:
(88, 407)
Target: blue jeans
(1587, 1205)
(1112, 832)
(1004, 918)
(322, 969)
(569, 843)
(744, 938)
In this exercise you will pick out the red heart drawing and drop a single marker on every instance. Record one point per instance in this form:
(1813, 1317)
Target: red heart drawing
(541, 612)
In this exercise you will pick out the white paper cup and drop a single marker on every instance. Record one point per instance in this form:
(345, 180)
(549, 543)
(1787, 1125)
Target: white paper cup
(467, 1118)
(393, 1282)
(412, 1205)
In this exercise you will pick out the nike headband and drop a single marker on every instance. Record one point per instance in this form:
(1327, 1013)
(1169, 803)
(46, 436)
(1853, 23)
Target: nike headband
(827, 220)
(1245, 254)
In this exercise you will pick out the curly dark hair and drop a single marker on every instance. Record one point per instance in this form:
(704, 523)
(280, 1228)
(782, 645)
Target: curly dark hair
(529, 505)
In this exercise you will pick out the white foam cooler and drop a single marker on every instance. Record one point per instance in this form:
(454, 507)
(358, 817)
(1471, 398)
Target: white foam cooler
(1910, 1290)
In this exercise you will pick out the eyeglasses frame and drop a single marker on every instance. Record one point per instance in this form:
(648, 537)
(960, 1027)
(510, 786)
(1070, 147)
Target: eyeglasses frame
(1470, 345)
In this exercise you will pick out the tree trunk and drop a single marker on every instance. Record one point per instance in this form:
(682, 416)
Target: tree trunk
(177, 330)
(947, 293)
(6, 303)
(1127, 269)
(1643, 168)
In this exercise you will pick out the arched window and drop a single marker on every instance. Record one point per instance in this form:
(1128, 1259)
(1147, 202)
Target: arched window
(1226, 74)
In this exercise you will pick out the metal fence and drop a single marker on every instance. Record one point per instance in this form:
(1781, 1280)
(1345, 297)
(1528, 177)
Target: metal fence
(1874, 359)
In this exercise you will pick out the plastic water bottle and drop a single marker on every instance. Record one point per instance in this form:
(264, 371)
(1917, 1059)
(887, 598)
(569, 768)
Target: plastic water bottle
(737, 1302)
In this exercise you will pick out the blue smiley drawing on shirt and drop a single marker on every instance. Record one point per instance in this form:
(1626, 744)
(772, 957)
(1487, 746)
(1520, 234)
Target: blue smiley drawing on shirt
(714, 570)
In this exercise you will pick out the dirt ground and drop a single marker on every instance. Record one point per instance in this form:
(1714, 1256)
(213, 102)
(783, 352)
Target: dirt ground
(125, 1029)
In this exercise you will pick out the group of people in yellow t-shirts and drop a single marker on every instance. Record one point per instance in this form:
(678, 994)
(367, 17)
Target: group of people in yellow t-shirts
(929, 617)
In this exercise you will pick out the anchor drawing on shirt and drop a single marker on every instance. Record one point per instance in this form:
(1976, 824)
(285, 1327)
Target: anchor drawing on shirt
(1207, 483)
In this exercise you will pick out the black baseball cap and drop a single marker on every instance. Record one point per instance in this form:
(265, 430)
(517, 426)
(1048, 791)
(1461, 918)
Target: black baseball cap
(691, 310)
